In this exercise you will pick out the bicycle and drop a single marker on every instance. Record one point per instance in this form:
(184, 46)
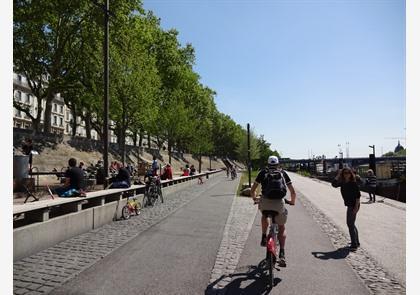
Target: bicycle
(132, 206)
(153, 192)
(272, 241)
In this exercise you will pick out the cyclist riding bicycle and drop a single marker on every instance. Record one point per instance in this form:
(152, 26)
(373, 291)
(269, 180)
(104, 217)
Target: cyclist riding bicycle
(274, 181)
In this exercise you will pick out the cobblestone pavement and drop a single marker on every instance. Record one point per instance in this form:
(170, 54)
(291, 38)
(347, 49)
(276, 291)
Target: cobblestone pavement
(42, 272)
(238, 226)
(371, 273)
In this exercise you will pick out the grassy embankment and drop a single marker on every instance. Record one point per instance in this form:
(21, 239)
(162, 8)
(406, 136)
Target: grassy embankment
(244, 179)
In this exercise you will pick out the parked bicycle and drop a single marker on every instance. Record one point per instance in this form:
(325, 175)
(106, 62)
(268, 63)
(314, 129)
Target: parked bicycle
(153, 192)
(132, 207)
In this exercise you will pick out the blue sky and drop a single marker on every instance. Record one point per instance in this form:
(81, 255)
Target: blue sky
(308, 75)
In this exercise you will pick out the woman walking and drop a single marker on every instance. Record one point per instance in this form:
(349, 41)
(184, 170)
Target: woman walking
(350, 192)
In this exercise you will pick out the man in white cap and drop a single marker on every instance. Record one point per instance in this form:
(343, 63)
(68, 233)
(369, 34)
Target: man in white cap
(274, 182)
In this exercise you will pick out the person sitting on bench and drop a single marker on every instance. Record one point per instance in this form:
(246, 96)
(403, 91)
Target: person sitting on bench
(73, 182)
(122, 179)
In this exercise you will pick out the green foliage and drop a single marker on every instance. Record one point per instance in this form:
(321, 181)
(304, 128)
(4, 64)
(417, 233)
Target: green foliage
(154, 90)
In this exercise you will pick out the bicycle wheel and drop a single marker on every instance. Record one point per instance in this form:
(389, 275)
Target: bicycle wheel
(155, 197)
(160, 194)
(137, 208)
(270, 265)
(146, 200)
(125, 212)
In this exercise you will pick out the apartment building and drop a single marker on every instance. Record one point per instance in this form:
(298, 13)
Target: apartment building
(61, 117)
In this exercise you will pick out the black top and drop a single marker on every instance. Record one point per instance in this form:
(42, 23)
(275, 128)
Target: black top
(349, 191)
(123, 175)
(76, 177)
(261, 176)
(192, 171)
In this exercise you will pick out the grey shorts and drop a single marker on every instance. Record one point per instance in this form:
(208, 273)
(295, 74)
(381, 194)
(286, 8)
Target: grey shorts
(274, 205)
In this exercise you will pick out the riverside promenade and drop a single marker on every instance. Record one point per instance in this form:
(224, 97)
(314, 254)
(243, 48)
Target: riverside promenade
(381, 225)
(205, 240)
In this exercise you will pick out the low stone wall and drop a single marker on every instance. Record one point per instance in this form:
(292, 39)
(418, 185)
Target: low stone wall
(35, 237)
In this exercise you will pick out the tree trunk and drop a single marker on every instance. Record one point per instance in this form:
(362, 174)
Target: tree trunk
(170, 151)
(148, 140)
(47, 114)
(199, 163)
(121, 143)
(134, 137)
(73, 121)
(141, 136)
(88, 125)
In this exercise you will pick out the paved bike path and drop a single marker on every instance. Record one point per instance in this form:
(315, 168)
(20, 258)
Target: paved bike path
(174, 256)
(304, 274)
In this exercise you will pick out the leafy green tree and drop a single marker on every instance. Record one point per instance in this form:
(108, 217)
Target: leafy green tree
(45, 47)
(242, 149)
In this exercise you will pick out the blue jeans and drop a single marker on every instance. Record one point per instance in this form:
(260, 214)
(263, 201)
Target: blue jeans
(351, 220)
(61, 190)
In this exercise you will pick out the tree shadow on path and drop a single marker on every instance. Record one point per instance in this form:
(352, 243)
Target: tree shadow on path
(256, 275)
(340, 253)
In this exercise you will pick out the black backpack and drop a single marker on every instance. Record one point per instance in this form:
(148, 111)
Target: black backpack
(275, 185)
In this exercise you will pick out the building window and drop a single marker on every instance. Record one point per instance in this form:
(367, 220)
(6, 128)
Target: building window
(55, 120)
(61, 109)
(61, 122)
(67, 115)
(18, 95)
(55, 107)
(28, 98)
(67, 128)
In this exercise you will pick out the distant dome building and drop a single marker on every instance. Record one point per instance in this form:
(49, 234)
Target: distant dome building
(398, 148)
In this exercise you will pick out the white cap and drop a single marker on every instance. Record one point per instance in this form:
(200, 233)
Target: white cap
(273, 160)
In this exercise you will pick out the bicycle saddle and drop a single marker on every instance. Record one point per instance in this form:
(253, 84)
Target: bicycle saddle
(270, 212)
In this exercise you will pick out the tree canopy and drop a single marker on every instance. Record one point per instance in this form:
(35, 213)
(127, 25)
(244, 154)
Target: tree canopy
(154, 89)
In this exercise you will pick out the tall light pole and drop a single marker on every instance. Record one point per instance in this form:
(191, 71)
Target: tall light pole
(107, 13)
(340, 157)
(373, 147)
(372, 160)
(106, 86)
(249, 155)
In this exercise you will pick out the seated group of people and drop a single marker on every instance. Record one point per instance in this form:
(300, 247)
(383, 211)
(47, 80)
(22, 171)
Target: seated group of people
(74, 177)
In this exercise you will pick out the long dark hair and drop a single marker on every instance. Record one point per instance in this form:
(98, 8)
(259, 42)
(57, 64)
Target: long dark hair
(352, 176)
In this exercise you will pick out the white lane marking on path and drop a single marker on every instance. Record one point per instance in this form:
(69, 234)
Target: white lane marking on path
(238, 226)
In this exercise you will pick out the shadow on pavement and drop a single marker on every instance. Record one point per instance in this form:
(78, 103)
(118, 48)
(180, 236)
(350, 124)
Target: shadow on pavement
(253, 281)
(340, 253)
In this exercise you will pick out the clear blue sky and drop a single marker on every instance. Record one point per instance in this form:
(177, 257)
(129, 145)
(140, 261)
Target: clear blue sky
(308, 75)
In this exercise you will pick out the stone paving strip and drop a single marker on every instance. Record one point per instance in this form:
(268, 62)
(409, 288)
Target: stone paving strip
(237, 228)
(370, 272)
(42, 272)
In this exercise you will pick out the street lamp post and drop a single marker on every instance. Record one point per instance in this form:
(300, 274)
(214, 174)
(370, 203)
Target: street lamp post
(372, 160)
(106, 87)
(340, 157)
(249, 156)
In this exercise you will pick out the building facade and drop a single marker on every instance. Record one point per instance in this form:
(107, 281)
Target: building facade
(61, 116)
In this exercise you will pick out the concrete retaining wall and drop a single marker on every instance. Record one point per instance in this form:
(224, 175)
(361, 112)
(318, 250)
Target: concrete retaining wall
(30, 239)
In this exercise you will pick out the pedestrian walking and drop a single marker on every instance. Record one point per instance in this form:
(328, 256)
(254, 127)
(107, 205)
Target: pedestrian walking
(371, 185)
(350, 192)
